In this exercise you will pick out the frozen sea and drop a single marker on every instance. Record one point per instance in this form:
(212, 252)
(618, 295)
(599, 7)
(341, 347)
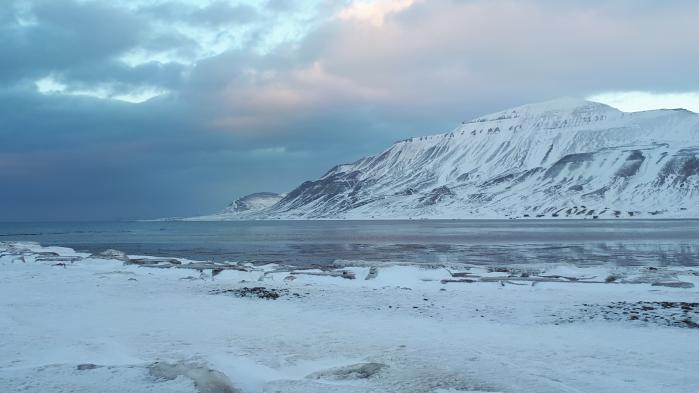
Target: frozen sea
(72, 322)
(478, 242)
(511, 307)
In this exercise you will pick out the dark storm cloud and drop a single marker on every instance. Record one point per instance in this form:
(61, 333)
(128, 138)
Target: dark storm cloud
(65, 34)
(256, 117)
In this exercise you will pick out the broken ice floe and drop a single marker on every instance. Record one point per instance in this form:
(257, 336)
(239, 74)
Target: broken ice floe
(386, 273)
(205, 380)
(353, 371)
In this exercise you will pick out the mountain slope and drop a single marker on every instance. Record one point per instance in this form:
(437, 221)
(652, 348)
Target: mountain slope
(561, 158)
(254, 202)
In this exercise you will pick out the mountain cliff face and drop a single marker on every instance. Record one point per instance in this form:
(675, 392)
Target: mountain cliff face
(562, 158)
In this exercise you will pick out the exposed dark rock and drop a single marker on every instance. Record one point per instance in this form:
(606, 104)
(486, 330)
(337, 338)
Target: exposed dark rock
(598, 193)
(663, 313)
(62, 258)
(456, 280)
(679, 167)
(573, 161)
(631, 165)
(259, 292)
(153, 262)
(436, 195)
(498, 179)
(112, 254)
(546, 156)
(480, 197)
(407, 191)
(332, 273)
(322, 191)
(691, 324)
(87, 366)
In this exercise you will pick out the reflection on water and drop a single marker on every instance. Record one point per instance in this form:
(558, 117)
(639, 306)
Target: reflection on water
(624, 242)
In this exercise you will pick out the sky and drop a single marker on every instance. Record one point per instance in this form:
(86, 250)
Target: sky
(128, 109)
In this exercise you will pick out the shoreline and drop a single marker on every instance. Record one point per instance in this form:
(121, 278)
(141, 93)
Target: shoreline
(223, 217)
(118, 323)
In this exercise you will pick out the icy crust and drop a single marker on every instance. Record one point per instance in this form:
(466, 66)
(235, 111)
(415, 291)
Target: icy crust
(110, 322)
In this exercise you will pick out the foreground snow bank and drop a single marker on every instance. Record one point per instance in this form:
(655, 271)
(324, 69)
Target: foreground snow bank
(74, 322)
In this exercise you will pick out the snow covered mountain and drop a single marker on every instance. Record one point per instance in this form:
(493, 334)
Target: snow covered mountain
(244, 207)
(254, 202)
(561, 158)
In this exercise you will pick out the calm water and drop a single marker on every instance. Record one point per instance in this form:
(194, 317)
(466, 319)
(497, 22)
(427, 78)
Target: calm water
(625, 242)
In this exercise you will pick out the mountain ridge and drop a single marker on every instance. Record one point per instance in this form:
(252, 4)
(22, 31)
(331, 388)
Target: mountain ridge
(555, 159)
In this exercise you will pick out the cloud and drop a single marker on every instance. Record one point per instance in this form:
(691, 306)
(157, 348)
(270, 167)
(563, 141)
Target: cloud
(373, 12)
(50, 85)
(447, 60)
(146, 108)
(634, 101)
(434, 52)
(216, 13)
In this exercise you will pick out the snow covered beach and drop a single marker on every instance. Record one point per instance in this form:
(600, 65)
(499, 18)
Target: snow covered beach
(72, 322)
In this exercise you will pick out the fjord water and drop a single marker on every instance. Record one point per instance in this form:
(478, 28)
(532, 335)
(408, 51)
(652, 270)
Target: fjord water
(483, 242)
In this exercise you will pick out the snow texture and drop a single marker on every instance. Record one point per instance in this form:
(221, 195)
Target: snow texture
(72, 322)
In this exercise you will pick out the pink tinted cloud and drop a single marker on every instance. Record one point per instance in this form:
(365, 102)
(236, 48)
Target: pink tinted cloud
(431, 55)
